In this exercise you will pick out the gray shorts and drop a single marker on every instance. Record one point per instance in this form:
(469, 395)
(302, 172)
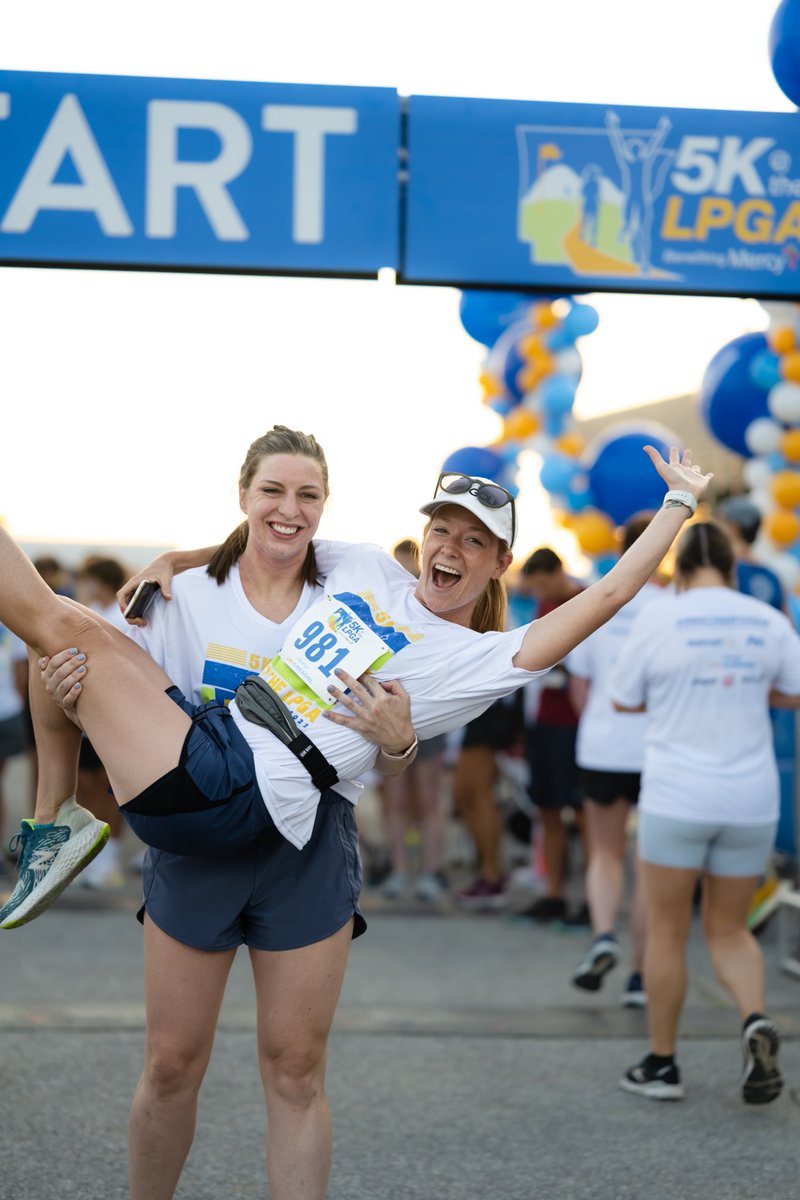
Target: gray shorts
(735, 850)
(13, 736)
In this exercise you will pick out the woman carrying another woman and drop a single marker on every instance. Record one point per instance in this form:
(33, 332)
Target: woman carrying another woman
(705, 664)
(198, 779)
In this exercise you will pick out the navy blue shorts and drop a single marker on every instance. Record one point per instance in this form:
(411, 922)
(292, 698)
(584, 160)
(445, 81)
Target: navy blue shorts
(268, 895)
(210, 801)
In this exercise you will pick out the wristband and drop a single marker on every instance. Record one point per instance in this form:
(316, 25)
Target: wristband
(403, 753)
(674, 498)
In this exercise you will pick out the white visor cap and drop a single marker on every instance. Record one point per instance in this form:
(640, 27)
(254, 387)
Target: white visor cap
(499, 521)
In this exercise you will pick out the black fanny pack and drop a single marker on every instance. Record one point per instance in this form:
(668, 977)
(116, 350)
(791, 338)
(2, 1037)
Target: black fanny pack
(258, 703)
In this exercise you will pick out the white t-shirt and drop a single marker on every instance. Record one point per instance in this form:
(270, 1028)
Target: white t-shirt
(12, 651)
(113, 615)
(209, 637)
(609, 740)
(703, 662)
(452, 675)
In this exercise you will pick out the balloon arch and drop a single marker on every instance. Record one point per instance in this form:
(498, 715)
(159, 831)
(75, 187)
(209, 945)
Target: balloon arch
(749, 400)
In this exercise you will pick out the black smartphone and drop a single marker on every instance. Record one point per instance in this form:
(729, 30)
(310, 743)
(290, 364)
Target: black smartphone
(142, 598)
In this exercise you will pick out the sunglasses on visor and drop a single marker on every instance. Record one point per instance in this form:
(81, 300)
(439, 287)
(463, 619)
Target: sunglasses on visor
(490, 495)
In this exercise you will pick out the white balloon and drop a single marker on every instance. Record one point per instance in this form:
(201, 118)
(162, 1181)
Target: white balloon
(762, 436)
(569, 362)
(757, 472)
(783, 402)
(762, 500)
(780, 312)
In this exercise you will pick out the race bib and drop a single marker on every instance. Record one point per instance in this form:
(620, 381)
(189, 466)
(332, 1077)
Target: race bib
(327, 637)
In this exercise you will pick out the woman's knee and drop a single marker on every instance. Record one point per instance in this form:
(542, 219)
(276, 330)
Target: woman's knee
(171, 1070)
(295, 1076)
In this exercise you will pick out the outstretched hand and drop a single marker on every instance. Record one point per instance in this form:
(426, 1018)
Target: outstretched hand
(680, 473)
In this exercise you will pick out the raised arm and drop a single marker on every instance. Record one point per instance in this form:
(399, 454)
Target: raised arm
(550, 638)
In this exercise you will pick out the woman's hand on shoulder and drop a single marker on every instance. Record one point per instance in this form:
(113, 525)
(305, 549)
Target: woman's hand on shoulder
(160, 571)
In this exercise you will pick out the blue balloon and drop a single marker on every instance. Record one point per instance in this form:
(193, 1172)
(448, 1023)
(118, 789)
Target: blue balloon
(580, 320)
(604, 563)
(474, 460)
(578, 501)
(559, 338)
(557, 472)
(621, 476)
(485, 315)
(557, 395)
(765, 369)
(776, 461)
(729, 398)
(784, 48)
(502, 404)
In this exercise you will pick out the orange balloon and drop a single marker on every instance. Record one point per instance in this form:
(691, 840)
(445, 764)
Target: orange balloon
(531, 376)
(785, 488)
(783, 527)
(782, 340)
(491, 385)
(546, 318)
(520, 424)
(531, 346)
(790, 445)
(571, 444)
(594, 531)
(790, 366)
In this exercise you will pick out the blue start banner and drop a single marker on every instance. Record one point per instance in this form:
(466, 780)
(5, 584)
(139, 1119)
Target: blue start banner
(589, 197)
(190, 174)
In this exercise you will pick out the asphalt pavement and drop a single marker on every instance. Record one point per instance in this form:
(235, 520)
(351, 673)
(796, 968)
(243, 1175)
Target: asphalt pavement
(463, 1066)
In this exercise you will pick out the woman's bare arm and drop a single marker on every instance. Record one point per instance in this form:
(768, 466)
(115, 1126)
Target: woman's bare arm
(551, 638)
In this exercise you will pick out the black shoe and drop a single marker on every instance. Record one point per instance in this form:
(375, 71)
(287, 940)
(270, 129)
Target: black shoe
(581, 918)
(546, 908)
(600, 958)
(762, 1081)
(634, 995)
(656, 1083)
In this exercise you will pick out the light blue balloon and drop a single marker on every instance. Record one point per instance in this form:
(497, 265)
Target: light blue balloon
(604, 563)
(581, 320)
(557, 471)
(765, 369)
(557, 395)
(776, 461)
(559, 338)
(578, 501)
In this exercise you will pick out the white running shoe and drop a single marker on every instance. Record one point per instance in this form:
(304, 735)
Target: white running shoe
(395, 885)
(428, 888)
(50, 856)
(762, 1081)
(600, 958)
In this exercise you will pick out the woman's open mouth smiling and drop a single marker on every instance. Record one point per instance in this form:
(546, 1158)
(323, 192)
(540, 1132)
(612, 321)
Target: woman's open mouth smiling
(443, 576)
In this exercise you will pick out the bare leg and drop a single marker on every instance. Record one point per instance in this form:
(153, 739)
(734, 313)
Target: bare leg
(735, 953)
(605, 878)
(432, 811)
(474, 800)
(668, 893)
(638, 920)
(396, 802)
(555, 849)
(137, 731)
(184, 988)
(297, 993)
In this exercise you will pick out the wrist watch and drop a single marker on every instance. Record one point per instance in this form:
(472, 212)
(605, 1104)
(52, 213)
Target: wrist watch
(675, 498)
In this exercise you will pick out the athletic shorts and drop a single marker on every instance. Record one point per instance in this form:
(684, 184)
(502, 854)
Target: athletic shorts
(551, 758)
(13, 736)
(431, 747)
(210, 802)
(89, 759)
(605, 787)
(497, 728)
(735, 850)
(267, 895)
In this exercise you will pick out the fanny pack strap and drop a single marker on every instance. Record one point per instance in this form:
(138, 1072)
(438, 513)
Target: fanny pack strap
(258, 703)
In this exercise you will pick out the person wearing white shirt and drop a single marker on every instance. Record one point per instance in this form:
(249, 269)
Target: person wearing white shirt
(704, 664)
(609, 754)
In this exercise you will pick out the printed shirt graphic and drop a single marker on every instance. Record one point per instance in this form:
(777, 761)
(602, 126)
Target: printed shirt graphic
(452, 675)
(609, 740)
(704, 662)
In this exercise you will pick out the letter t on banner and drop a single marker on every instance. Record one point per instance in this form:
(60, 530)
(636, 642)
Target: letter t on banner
(309, 125)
